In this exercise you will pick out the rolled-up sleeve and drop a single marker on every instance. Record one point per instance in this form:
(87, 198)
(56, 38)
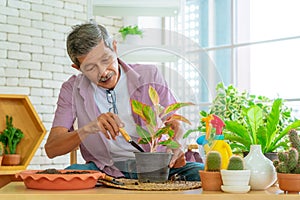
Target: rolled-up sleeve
(64, 114)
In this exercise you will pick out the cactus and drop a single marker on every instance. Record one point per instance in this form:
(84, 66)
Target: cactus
(289, 162)
(213, 161)
(236, 163)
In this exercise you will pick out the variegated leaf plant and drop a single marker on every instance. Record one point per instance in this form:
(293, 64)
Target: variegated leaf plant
(156, 132)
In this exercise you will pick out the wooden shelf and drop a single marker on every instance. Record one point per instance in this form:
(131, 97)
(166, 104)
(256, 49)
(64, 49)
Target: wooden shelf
(26, 119)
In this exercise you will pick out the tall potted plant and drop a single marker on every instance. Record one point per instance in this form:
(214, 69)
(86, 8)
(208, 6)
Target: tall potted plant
(10, 138)
(156, 134)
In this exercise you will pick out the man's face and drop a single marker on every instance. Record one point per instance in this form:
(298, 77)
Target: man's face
(100, 66)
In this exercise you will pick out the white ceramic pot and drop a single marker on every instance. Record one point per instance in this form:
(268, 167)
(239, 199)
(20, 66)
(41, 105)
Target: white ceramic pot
(263, 173)
(235, 177)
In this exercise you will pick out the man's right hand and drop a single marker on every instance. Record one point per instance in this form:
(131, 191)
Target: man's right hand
(107, 123)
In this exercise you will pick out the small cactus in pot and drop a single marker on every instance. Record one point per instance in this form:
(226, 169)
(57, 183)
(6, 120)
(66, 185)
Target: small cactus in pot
(236, 174)
(289, 162)
(211, 176)
(288, 165)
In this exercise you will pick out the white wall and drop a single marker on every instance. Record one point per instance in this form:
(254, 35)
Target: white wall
(33, 58)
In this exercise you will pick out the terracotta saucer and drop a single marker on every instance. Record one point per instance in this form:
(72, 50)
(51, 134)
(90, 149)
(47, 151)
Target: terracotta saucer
(72, 181)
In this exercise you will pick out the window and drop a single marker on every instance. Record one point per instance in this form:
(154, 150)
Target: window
(252, 44)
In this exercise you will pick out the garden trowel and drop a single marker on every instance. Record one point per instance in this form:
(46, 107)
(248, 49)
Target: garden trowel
(128, 139)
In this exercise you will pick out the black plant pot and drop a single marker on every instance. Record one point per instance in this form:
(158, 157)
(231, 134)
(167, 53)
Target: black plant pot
(152, 167)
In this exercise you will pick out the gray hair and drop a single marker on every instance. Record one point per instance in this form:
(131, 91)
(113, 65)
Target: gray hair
(84, 37)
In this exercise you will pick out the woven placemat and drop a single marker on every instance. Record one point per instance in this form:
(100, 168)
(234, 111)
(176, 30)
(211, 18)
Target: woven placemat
(133, 184)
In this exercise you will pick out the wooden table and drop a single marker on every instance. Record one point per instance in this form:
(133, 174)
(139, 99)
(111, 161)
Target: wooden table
(17, 190)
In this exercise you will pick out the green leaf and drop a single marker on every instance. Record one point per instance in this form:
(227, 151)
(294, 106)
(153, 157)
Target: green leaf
(293, 125)
(272, 121)
(174, 107)
(144, 134)
(161, 131)
(137, 108)
(153, 96)
(170, 144)
(179, 118)
(239, 141)
(238, 129)
(149, 115)
(254, 119)
(187, 134)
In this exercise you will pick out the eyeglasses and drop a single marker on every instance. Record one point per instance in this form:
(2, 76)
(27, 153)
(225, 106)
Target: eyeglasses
(111, 98)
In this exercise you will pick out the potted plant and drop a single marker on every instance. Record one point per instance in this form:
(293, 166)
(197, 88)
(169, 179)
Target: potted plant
(211, 177)
(235, 178)
(260, 127)
(251, 119)
(156, 134)
(288, 165)
(10, 137)
(130, 31)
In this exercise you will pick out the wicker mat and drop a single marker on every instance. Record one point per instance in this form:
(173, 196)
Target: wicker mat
(132, 184)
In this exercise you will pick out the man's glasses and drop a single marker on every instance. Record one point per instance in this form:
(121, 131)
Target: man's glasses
(111, 98)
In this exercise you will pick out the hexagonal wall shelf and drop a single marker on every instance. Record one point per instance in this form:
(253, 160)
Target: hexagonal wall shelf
(25, 118)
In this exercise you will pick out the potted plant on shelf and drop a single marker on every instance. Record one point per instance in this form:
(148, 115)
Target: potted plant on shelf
(211, 177)
(288, 165)
(10, 137)
(131, 34)
(235, 178)
(156, 134)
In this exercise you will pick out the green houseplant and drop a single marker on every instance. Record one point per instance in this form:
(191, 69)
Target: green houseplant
(130, 30)
(260, 127)
(251, 119)
(156, 133)
(10, 138)
(288, 165)
(211, 177)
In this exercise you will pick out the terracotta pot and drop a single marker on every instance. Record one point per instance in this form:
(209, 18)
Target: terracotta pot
(1, 157)
(289, 182)
(211, 181)
(11, 159)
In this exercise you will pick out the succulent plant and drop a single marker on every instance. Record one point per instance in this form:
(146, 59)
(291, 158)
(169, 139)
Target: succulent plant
(213, 161)
(236, 163)
(289, 162)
